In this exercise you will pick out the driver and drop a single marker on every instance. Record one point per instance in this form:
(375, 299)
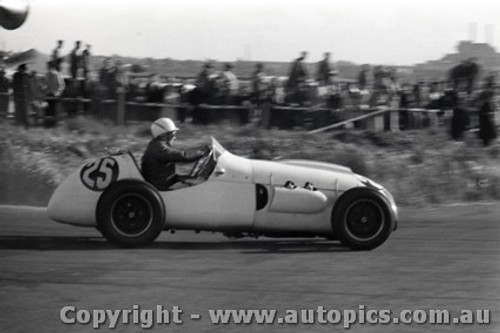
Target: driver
(158, 161)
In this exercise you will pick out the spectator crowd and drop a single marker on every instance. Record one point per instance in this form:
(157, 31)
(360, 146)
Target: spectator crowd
(72, 75)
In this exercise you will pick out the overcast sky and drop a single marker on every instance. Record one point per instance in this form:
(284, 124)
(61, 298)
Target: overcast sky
(394, 32)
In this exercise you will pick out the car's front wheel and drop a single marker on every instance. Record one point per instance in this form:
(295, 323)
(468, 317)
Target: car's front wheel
(130, 214)
(361, 220)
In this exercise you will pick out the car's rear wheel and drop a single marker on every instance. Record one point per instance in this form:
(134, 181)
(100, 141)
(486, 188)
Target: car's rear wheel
(361, 220)
(130, 214)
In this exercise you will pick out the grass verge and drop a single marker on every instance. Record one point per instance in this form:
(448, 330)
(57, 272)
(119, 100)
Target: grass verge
(419, 167)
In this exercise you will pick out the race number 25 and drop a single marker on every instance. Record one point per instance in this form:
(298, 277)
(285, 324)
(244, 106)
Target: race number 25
(99, 174)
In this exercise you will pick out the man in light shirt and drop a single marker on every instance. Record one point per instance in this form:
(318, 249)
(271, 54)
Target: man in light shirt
(231, 85)
(55, 88)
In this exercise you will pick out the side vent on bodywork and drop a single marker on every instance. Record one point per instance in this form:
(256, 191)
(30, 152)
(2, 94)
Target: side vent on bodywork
(310, 186)
(261, 195)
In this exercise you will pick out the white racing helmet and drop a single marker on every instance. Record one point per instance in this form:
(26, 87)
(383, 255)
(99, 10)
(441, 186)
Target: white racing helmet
(162, 126)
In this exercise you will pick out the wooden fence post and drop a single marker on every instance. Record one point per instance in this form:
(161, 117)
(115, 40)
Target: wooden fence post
(433, 118)
(394, 115)
(120, 106)
(375, 123)
(266, 115)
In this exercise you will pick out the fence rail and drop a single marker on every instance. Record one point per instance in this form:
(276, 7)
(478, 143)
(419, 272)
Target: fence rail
(315, 119)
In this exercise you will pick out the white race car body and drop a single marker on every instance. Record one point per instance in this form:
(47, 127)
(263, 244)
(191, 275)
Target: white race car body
(237, 196)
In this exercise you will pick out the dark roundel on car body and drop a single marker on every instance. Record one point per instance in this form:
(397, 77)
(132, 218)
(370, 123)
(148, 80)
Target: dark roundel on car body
(99, 174)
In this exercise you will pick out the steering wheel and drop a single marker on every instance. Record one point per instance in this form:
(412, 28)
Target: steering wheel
(201, 164)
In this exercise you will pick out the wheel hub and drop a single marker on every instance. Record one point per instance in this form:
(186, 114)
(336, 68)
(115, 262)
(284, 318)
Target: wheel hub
(364, 220)
(131, 214)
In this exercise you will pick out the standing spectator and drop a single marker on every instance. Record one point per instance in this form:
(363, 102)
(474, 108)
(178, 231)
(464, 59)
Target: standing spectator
(219, 88)
(449, 96)
(406, 97)
(231, 85)
(121, 75)
(75, 60)
(435, 96)
(424, 94)
(106, 88)
(473, 74)
(55, 87)
(363, 77)
(202, 94)
(487, 130)
(258, 84)
(4, 97)
(155, 89)
(378, 76)
(297, 79)
(465, 72)
(86, 82)
(258, 94)
(172, 95)
(391, 84)
(278, 92)
(378, 92)
(460, 118)
(20, 86)
(417, 94)
(334, 92)
(36, 95)
(406, 100)
(56, 55)
(204, 83)
(490, 79)
(107, 77)
(86, 62)
(323, 71)
(122, 81)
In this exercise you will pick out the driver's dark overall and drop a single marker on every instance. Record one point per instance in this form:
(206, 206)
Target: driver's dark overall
(158, 163)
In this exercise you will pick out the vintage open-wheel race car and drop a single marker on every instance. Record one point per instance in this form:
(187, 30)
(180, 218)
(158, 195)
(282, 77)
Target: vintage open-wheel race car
(233, 195)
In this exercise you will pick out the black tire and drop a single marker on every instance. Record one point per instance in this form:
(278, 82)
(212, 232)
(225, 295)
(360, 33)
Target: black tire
(130, 213)
(361, 219)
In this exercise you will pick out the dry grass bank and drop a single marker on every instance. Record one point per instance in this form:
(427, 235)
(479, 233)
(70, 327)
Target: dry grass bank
(418, 167)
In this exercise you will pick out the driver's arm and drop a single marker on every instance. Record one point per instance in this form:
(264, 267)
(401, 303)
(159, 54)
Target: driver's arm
(165, 153)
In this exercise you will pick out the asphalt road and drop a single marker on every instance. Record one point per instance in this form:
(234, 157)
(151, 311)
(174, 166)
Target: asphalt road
(440, 258)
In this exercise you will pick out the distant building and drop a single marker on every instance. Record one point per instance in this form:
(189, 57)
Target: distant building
(487, 57)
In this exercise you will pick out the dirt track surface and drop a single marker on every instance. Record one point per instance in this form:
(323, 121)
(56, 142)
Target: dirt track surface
(441, 258)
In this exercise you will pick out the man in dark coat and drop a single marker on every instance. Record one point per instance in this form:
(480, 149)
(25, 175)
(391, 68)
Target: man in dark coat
(465, 73)
(363, 77)
(298, 72)
(85, 62)
(204, 93)
(323, 72)
(75, 60)
(56, 57)
(487, 130)
(20, 87)
(4, 98)
(258, 84)
(460, 118)
(204, 83)
(297, 79)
